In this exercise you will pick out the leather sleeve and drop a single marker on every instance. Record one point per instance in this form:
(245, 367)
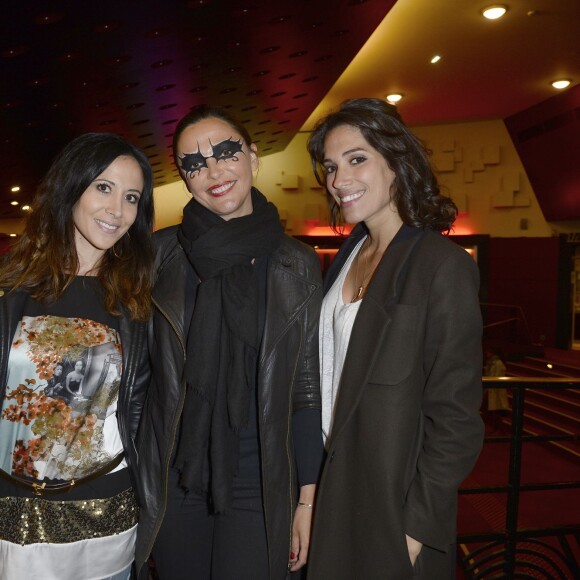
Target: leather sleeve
(141, 379)
(307, 383)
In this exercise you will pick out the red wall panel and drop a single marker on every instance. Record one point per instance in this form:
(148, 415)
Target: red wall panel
(547, 139)
(524, 272)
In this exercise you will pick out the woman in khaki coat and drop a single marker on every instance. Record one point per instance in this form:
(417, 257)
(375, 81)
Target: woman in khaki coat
(400, 346)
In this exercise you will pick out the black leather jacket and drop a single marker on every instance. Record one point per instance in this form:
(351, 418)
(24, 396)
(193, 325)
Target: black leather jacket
(134, 380)
(288, 380)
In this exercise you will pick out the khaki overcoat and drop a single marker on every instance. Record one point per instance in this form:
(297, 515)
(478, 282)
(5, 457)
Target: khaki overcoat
(406, 428)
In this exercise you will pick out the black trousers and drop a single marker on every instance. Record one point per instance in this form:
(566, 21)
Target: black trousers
(194, 544)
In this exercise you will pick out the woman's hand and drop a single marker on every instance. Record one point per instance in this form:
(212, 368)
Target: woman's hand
(301, 528)
(414, 548)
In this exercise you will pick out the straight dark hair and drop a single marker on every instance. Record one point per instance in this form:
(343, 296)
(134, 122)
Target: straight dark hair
(44, 261)
(415, 191)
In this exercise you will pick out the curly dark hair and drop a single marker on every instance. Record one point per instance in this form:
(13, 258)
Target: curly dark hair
(415, 191)
(44, 261)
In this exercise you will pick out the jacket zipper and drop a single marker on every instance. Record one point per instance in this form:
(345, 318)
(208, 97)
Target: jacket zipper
(125, 402)
(290, 462)
(174, 430)
(289, 427)
(170, 324)
(288, 456)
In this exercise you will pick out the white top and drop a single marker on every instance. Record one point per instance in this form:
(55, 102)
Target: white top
(336, 322)
(83, 560)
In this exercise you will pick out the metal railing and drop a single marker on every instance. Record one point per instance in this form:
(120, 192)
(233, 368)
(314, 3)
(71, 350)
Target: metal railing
(506, 326)
(513, 552)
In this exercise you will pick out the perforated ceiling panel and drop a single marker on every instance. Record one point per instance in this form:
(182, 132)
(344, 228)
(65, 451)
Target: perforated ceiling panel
(135, 68)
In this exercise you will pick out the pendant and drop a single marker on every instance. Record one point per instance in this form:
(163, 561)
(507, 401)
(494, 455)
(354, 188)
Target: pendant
(358, 293)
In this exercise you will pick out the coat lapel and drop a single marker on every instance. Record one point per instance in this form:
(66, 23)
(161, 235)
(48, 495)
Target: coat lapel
(371, 326)
(341, 257)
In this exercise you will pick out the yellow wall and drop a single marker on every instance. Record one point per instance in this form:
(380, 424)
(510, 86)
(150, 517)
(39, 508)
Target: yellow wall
(11, 226)
(169, 201)
(477, 165)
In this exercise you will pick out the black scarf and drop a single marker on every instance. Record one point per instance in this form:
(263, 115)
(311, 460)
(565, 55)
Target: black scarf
(223, 342)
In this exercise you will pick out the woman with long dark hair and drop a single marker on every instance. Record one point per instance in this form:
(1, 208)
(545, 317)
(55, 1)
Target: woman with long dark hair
(400, 355)
(75, 289)
(230, 444)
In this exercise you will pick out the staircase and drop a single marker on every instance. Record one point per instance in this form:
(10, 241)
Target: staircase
(550, 411)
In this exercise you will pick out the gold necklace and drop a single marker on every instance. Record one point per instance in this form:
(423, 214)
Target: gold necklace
(359, 290)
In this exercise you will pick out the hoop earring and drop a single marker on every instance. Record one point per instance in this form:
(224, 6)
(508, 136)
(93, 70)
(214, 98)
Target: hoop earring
(115, 253)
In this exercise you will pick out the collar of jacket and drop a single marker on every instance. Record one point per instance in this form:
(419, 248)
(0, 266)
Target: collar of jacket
(176, 285)
(290, 288)
(405, 233)
(346, 248)
(372, 321)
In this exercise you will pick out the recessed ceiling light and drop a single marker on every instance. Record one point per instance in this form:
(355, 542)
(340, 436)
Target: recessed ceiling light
(15, 189)
(494, 12)
(12, 235)
(435, 59)
(25, 208)
(13, 203)
(561, 83)
(394, 98)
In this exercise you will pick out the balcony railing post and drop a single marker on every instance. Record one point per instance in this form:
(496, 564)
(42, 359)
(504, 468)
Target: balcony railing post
(507, 553)
(512, 511)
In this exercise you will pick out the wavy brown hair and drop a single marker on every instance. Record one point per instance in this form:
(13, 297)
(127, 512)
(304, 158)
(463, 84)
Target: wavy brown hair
(415, 191)
(44, 261)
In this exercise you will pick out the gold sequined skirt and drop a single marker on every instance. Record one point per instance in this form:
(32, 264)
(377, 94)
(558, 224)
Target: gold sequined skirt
(32, 520)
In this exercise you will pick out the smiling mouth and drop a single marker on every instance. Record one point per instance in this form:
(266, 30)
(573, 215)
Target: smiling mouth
(109, 228)
(221, 189)
(351, 197)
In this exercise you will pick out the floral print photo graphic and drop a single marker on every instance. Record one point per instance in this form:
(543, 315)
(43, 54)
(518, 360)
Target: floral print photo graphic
(58, 417)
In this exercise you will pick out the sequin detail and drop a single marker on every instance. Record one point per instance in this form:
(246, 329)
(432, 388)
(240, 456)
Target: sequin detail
(34, 520)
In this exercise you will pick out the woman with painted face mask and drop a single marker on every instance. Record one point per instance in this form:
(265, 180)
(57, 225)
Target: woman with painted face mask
(74, 302)
(230, 442)
(400, 344)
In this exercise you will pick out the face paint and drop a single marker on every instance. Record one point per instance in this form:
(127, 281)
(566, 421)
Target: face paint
(223, 188)
(192, 163)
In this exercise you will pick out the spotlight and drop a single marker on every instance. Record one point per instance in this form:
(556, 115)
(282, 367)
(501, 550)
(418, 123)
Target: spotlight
(494, 12)
(394, 98)
(561, 84)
